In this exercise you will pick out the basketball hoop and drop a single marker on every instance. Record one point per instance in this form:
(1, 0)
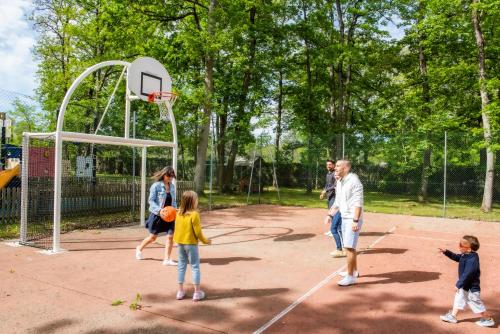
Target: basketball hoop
(165, 101)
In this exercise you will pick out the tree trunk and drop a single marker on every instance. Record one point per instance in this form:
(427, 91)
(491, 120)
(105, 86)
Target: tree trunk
(278, 118)
(485, 101)
(426, 112)
(221, 144)
(240, 113)
(309, 107)
(340, 79)
(201, 154)
(424, 181)
(339, 151)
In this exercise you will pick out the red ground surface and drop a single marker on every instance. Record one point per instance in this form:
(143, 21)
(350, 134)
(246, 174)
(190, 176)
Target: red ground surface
(263, 260)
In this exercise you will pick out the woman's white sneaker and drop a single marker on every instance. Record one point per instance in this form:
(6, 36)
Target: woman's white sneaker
(344, 274)
(348, 280)
(138, 254)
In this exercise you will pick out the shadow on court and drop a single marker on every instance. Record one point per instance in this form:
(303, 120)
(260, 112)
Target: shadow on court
(403, 277)
(221, 261)
(295, 237)
(383, 251)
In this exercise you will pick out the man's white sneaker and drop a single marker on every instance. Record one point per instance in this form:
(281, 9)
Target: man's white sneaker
(344, 274)
(138, 254)
(329, 234)
(348, 280)
(169, 263)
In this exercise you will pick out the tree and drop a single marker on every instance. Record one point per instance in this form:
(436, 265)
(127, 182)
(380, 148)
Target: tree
(485, 104)
(26, 118)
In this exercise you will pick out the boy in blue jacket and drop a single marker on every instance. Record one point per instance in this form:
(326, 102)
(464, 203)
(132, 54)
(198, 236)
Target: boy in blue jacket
(467, 287)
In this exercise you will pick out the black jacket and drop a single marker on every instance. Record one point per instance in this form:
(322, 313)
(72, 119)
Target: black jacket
(468, 270)
(330, 184)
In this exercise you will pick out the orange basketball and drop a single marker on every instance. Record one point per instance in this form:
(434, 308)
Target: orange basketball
(168, 213)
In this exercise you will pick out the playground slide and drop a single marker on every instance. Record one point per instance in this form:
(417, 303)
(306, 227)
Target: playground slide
(9, 174)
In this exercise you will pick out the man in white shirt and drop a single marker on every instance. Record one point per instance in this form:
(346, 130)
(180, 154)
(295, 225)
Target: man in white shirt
(349, 201)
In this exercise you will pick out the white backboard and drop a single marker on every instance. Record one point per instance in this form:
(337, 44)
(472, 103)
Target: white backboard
(147, 75)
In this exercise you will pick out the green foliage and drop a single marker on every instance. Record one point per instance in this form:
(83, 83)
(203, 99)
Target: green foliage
(117, 302)
(309, 70)
(136, 304)
(26, 118)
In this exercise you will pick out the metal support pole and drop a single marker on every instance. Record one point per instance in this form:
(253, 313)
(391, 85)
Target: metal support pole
(143, 186)
(251, 172)
(127, 109)
(134, 118)
(343, 145)
(260, 167)
(24, 188)
(211, 167)
(276, 181)
(175, 149)
(56, 247)
(444, 176)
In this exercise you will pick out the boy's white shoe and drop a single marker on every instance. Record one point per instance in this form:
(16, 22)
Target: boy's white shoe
(486, 322)
(344, 274)
(169, 262)
(448, 317)
(329, 234)
(348, 280)
(138, 254)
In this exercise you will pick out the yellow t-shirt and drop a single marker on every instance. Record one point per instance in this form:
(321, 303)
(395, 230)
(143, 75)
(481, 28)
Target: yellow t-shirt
(188, 229)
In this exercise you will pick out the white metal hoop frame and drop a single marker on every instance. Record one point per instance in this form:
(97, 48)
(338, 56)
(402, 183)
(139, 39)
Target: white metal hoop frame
(61, 136)
(164, 101)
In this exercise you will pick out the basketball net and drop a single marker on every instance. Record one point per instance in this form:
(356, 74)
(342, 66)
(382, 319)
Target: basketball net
(164, 101)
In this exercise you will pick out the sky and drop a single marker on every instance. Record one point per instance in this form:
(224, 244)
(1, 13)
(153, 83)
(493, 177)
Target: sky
(17, 65)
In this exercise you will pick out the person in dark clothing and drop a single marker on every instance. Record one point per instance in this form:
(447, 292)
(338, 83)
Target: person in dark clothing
(328, 193)
(467, 287)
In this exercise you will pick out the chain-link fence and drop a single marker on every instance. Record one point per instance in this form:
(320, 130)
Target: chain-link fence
(439, 175)
(100, 186)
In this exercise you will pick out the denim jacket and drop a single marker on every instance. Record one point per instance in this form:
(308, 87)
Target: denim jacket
(158, 195)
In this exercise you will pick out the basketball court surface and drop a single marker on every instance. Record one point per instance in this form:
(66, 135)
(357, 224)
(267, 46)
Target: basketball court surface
(268, 271)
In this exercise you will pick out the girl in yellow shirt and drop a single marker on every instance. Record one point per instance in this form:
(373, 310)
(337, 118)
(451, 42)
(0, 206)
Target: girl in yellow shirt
(186, 235)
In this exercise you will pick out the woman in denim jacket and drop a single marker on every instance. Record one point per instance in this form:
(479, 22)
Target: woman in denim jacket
(161, 194)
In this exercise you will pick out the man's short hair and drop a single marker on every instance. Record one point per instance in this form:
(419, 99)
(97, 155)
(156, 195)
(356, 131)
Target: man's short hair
(330, 160)
(346, 162)
(473, 242)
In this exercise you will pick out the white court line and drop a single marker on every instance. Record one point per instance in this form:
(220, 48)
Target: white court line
(314, 289)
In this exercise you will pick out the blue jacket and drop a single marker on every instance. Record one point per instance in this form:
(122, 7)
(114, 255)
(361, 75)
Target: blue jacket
(158, 195)
(468, 270)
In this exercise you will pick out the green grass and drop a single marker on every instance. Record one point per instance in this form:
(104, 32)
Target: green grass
(374, 202)
(9, 231)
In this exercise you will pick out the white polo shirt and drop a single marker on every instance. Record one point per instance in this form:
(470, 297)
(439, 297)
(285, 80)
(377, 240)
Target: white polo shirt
(349, 195)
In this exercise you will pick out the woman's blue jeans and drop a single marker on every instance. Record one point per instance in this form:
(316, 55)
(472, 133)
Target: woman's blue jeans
(188, 253)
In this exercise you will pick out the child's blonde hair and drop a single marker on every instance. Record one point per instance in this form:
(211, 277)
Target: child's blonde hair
(189, 202)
